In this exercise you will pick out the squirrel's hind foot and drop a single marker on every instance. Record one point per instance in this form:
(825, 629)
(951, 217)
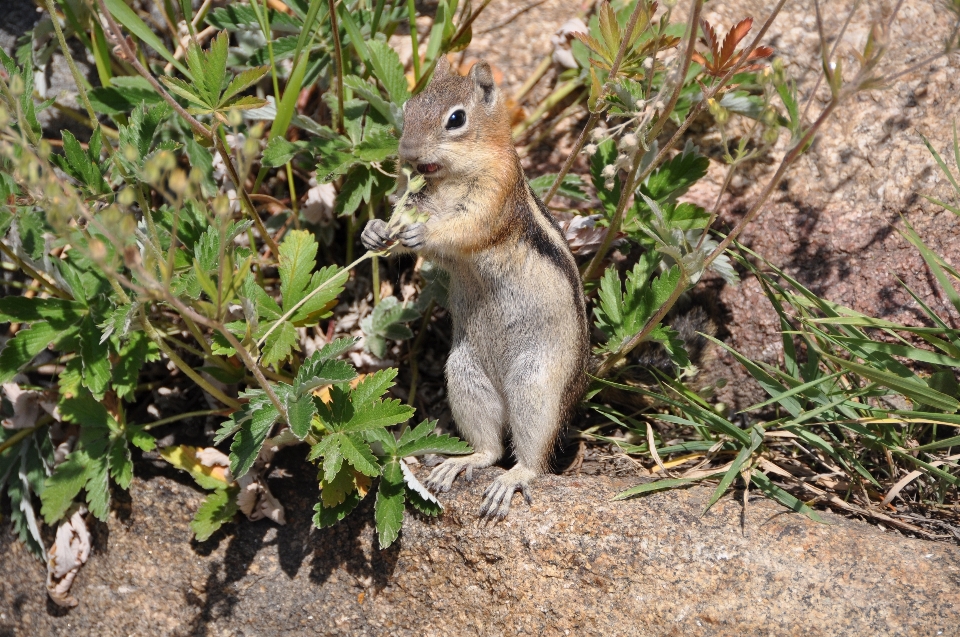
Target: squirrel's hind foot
(442, 477)
(497, 498)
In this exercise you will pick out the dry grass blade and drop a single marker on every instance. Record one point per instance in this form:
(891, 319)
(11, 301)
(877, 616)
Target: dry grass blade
(910, 477)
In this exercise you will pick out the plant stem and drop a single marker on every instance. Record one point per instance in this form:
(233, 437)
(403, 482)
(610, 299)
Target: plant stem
(558, 95)
(157, 338)
(415, 350)
(538, 73)
(77, 78)
(412, 13)
(189, 414)
(632, 178)
(29, 271)
(242, 193)
(682, 75)
(785, 163)
(595, 117)
(374, 265)
(20, 435)
(338, 58)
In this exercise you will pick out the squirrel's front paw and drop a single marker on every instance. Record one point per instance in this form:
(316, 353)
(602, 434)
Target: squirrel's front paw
(413, 236)
(375, 235)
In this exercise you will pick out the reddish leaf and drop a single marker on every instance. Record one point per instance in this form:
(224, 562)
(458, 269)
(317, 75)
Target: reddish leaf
(737, 33)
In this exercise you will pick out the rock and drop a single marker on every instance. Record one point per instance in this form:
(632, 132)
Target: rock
(574, 563)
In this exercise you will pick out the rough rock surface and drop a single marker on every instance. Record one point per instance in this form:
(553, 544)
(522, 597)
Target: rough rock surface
(573, 563)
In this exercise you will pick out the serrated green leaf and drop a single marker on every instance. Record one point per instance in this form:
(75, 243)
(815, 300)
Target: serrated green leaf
(300, 413)
(98, 487)
(389, 70)
(379, 414)
(280, 343)
(358, 454)
(279, 151)
(332, 279)
(257, 420)
(121, 463)
(673, 178)
(243, 81)
(411, 434)
(444, 444)
(386, 322)
(216, 510)
(22, 348)
(141, 439)
(356, 189)
(61, 488)
(95, 358)
(314, 374)
(336, 492)
(373, 386)
(60, 313)
(298, 254)
(329, 516)
(186, 91)
(377, 147)
(388, 510)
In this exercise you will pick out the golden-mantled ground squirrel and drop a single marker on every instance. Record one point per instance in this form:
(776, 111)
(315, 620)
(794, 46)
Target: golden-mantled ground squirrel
(520, 332)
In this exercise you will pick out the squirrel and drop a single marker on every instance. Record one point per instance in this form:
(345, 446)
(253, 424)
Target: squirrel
(520, 342)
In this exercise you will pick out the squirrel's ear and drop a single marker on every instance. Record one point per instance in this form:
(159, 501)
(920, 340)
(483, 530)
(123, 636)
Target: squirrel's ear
(483, 77)
(443, 68)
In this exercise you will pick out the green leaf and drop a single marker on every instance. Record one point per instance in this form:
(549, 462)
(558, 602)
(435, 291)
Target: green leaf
(243, 81)
(783, 497)
(61, 488)
(356, 189)
(378, 414)
(121, 463)
(389, 70)
(659, 485)
(280, 343)
(126, 16)
(256, 418)
(216, 510)
(358, 454)
(388, 510)
(605, 156)
(279, 151)
(745, 453)
(329, 516)
(571, 188)
(22, 348)
(317, 371)
(377, 147)
(444, 444)
(20, 309)
(297, 259)
(300, 413)
(915, 390)
(373, 386)
(387, 322)
(674, 178)
(95, 358)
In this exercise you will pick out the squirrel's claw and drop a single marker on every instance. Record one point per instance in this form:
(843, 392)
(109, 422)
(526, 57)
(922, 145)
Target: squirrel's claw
(375, 235)
(498, 496)
(413, 236)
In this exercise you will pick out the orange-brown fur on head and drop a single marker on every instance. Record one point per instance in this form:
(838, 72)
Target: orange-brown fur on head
(482, 146)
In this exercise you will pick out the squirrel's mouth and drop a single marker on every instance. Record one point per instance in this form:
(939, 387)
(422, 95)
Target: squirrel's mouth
(427, 169)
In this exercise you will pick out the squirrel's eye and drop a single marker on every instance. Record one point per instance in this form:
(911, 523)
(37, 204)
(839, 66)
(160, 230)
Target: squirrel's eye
(457, 119)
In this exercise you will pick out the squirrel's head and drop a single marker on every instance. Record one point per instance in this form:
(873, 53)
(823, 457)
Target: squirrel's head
(458, 125)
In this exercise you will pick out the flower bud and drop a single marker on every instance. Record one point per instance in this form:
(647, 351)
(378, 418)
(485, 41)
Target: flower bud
(178, 181)
(590, 149)
(629, 143)
(608, 172)
(234, 118)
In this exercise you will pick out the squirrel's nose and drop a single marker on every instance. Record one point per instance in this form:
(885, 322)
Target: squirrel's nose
(409, 150)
